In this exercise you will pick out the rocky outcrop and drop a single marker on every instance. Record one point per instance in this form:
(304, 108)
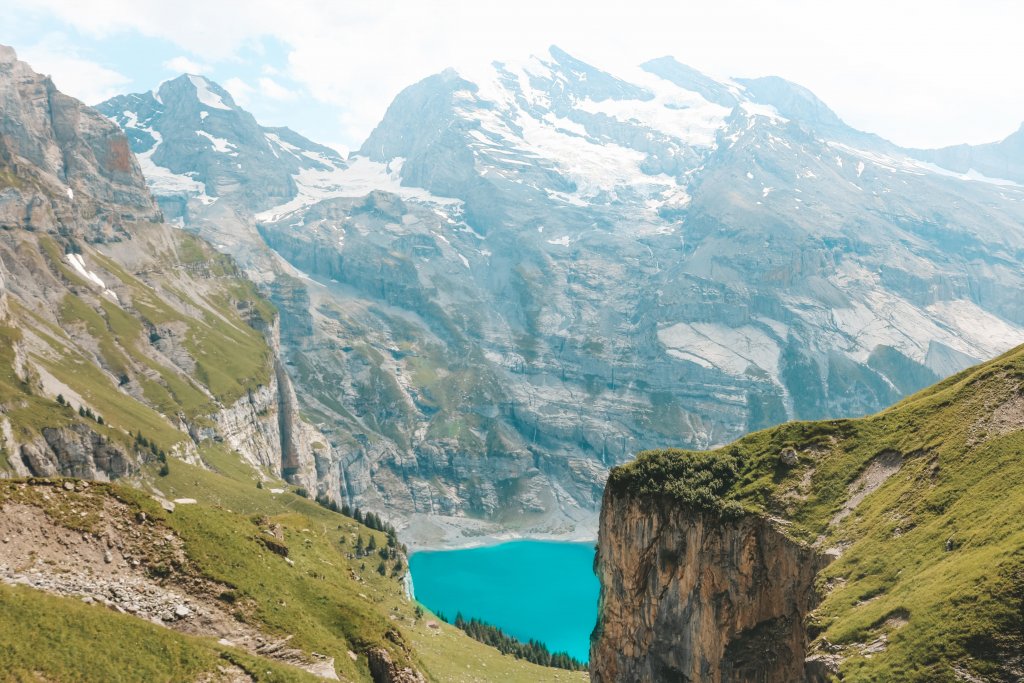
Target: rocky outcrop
(65, 165)
(75, 451)
(691, 596)
(385, 670)
(250, 427)
(302, 449)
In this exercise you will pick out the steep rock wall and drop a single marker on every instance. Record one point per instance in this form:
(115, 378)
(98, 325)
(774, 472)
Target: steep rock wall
(266, 429)
(73, 451)
(690, 596)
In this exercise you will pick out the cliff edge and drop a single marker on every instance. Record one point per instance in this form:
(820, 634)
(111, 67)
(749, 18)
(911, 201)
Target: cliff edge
(884, 548)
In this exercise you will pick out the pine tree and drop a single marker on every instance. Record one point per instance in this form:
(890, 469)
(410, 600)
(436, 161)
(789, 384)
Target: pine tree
(382, 568)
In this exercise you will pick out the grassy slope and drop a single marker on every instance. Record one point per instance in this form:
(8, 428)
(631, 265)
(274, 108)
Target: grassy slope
(91, 342)
(323, 607)
(316, 599)
(44, 637)
(961, 479)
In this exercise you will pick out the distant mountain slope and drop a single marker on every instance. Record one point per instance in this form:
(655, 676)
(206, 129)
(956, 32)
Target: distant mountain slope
(1001, 161)
(884, 548)
(211, 147)
(531, 271)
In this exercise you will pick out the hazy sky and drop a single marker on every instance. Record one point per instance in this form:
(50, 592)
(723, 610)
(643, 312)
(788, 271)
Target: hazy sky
(921, 73)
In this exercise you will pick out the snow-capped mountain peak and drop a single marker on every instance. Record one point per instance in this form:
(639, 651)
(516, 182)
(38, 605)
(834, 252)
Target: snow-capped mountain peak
(210, 94)
(196, 146)
(688, 257)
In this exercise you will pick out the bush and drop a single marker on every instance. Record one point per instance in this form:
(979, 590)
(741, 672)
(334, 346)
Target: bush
(159, 571)
(698, 480)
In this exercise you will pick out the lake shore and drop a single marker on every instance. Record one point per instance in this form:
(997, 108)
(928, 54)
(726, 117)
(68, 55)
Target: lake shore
(439, 532)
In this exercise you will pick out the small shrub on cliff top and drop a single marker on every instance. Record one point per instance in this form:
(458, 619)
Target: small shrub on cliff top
(698, 480)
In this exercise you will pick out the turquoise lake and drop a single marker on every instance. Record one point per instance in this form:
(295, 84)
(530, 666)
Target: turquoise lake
(542, 590)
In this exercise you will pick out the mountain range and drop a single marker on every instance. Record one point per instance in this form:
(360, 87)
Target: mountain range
(530, 271)
(467, 328)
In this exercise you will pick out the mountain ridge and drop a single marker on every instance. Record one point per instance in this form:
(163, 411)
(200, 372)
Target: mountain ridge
(761, 283)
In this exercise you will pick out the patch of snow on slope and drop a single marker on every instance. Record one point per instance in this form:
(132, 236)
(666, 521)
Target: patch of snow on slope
(78, 263)
(163, 181)
(205, 95)
(730, 349)
(971, 175)
(361, 177)
(219, 144)
(537, 135)
(766, 110)
(913, 166)
(593, 167)
(275, 141)
(676, 112)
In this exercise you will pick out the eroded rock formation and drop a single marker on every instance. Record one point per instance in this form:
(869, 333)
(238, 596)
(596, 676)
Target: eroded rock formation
(692, 596)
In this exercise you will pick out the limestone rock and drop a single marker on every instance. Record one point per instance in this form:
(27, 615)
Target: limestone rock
(384, 669)
(687, 596)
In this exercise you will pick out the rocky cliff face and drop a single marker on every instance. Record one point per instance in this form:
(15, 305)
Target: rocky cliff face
(823, 551)
(53, 147)
(690, 596)
(114, 323)
(264, 427)
(74, 451)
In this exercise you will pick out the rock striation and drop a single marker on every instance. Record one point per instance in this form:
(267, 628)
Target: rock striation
(692, 596)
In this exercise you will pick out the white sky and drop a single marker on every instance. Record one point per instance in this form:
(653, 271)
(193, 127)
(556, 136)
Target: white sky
(921, 73)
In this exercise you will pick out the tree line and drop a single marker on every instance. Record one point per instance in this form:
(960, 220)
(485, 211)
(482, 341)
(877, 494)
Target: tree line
(532, 651)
